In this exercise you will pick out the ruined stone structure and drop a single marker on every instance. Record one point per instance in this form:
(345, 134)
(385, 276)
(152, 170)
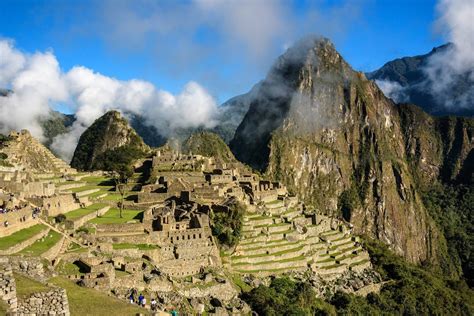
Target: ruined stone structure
(52, 302)
(26, 153)
(185, 238)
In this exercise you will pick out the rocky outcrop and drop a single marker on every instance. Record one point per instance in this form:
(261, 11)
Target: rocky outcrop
(109, 132)
(338, 143)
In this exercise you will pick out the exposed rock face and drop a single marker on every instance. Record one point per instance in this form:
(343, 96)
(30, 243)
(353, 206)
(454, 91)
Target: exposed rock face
(23, 151)
(335, 140)
(108, 132)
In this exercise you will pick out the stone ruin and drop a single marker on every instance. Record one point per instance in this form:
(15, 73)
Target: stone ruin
(52, 302)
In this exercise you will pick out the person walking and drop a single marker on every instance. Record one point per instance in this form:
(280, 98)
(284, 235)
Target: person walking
(153, 304)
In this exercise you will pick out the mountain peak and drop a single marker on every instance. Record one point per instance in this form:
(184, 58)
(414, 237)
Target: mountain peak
(107, 133)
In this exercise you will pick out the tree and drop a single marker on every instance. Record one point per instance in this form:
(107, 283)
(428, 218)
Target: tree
(121, 174)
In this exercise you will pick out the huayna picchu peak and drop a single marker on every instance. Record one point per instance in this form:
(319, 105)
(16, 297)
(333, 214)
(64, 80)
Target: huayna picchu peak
(108, 133)
(337, 179)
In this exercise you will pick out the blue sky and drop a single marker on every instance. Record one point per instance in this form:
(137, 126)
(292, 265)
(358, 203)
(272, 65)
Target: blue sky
(222, 47)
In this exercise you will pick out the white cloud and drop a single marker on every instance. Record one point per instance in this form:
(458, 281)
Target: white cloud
(38, 84)
(393, 90)
(445, 69)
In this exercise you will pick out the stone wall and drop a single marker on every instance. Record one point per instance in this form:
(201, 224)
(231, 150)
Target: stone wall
(17, 220)
(53, 302)
(59, 204)
(30, 266)
(53, 252)
(120, 228)
(78, 222)
(144, 197)
(7, 285)
(133, 239)
(20, 246)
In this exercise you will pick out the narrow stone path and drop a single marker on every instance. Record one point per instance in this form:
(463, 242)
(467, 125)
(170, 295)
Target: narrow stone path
(62, 233)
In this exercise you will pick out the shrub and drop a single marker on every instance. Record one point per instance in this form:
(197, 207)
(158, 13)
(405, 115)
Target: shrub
(227, 226)
(60, 218)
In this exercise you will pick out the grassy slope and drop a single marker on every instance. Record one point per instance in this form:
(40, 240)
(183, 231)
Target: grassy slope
(41, 246)
(84, 211)
(26, 286)
(85, 301)
(20, 236)
(113, 216)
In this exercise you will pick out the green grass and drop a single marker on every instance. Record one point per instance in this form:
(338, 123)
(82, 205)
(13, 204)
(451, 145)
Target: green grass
(60, 184)
(113, 216)
(96, 179)
(26, 286)
(120, 273)
(20, 236)
(67, 268)
(84, 211)
(91, 187)
(273, 202)
(117, 197)
(86, 301)
(244, 287)
(359, 263)
(268, 270)
(279, 253)
(134, 246)
(41, 246)
(96, 194)
(273, 225)
(299, 258)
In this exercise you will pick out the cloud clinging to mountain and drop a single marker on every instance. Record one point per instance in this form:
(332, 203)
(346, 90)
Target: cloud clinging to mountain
(39, 83)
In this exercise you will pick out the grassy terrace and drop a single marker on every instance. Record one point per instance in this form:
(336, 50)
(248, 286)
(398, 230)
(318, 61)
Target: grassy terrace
(359, 263)
(267, 270)
(273, 246)
(26, 286)
(282, 232)
(260, 242)
(41, 246)
(134, 246)
(117, 197)
(350, 242)
(113, 217)
(273, 225)
(84, 211)
(91, 187)
(86, 301)
(96, 179)
(279, 253)
(20, 236)
(299, 258)
(273, 202)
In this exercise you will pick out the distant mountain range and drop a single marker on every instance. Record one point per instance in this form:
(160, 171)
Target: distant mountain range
(410, 73)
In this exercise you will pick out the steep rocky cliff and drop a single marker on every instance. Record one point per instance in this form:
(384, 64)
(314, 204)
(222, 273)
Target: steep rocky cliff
(335, 140)
(109, 132)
